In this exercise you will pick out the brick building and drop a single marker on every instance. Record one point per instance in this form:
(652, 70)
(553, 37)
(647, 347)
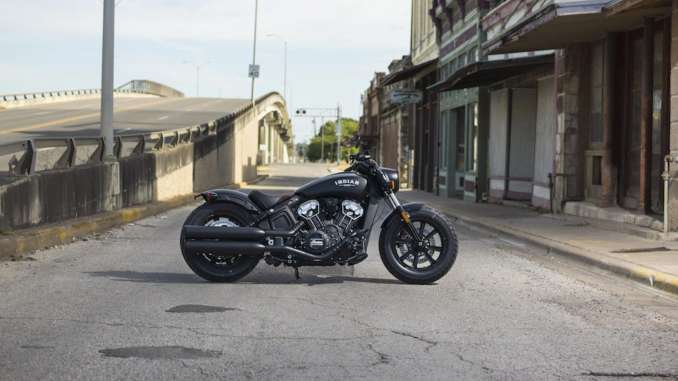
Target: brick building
(610, 99)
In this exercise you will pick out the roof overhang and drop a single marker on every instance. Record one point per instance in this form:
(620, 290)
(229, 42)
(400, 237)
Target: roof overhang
(559, 25)
(485, 73)
(409, 72)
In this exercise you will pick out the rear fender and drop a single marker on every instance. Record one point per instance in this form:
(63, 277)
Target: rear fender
(394, 217)
(228, 196)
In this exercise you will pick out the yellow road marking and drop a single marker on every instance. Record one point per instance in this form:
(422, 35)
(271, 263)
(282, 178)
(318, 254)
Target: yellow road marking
(74, 118)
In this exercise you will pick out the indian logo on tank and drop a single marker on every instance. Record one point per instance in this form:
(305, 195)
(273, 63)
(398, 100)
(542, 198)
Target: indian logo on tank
(346, 182)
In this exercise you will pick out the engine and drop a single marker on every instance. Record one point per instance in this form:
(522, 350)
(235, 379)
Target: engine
(329, 222)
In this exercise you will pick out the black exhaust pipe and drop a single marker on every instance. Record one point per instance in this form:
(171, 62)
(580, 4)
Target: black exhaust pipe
(225, 248)
(224, 233)
(250, 249)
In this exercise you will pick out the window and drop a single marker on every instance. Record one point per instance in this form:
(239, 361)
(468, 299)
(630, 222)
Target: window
(596, 170)
(472, 55)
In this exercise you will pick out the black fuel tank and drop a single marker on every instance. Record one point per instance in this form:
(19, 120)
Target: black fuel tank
(341, 185)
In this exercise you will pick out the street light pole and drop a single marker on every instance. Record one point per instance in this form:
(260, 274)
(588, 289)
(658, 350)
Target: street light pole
(254, 45)
(338, 134)
(107, 62)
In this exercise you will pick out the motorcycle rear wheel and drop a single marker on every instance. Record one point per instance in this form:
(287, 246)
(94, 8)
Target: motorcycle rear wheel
(419, 263)
(222, 268)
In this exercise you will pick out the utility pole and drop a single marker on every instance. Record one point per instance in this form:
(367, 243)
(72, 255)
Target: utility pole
(254, 73)
(338, 134)
(322, 113)
(107, 61)
(197, 80)
(322, 139)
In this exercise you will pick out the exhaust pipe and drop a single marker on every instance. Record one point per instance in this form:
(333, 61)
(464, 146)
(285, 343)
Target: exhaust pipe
(225, 248)
(224, 233)
(253, 249)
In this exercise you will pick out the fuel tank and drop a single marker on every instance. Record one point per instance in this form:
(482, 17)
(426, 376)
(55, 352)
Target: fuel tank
(341, 185)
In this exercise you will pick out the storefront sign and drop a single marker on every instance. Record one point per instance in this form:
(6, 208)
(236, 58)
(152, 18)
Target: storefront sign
(405, 96)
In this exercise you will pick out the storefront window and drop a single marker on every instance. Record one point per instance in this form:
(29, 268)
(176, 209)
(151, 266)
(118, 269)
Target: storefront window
(473, 138)
(597, 81)
(444, 131)
(460, 139)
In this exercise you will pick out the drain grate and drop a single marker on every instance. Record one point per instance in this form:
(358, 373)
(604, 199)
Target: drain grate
(641, 250)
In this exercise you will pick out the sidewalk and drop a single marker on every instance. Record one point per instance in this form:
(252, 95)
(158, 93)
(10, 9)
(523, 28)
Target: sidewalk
(648, 261)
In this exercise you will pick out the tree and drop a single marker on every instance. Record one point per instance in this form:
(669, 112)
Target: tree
(349, 128)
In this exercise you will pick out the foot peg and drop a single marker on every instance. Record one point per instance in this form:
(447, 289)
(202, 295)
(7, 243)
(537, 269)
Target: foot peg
(357, 259)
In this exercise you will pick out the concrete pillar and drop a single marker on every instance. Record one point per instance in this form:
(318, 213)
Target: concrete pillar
(673, 140)
(646, 115)
(609, 172)
(569, 166)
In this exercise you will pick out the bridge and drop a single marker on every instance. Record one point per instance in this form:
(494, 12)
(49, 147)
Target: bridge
(167, 147)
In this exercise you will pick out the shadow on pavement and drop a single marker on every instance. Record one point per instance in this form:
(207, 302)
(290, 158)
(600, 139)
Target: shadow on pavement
(147, 277)
(260, 278)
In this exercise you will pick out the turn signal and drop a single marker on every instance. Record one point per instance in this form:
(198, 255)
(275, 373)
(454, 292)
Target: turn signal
(391, 185)
(405, 216)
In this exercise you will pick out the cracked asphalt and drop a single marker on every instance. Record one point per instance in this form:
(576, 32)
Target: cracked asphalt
(123, 305)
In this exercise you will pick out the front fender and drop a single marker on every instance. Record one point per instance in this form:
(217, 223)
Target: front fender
(410, 207)
(214, 196)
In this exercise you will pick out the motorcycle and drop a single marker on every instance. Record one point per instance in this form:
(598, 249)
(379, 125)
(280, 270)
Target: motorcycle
(324, 223)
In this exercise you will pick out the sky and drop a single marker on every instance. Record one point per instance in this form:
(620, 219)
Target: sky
(334, 47)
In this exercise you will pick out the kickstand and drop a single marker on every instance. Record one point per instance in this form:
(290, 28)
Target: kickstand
(296, 273)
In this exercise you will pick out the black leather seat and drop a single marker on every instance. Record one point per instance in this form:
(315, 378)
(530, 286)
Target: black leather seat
(265, 201)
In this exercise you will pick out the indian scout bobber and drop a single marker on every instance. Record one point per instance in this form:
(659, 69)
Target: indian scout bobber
(325, 222)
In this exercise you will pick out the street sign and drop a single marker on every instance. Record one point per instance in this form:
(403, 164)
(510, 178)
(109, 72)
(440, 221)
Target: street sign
(405, 96)
(254, 71)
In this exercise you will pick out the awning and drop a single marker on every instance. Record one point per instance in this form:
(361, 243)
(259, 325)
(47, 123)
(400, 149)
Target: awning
(562, 24)
(616, 7)
(485, 73)
(409, 72)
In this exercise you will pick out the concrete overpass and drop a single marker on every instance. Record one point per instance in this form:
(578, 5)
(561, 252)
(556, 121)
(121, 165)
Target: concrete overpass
(51, 165)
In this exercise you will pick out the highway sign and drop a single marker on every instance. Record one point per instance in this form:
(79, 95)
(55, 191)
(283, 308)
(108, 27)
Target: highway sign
(254, 71)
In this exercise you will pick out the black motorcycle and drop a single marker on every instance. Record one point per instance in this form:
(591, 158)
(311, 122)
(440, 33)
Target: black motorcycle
(326, 222)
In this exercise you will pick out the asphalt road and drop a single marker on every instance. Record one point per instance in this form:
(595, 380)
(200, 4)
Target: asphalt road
(132, 115)
(123, 305)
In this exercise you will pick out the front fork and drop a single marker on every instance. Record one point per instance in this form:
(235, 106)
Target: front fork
(404, 215)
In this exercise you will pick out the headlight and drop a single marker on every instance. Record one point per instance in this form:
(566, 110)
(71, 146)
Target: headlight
(393, 178)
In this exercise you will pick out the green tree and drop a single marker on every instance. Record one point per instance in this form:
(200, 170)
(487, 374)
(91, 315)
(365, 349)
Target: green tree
(349, 128)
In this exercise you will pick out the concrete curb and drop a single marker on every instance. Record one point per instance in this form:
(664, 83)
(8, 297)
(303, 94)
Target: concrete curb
(22, 242)
(19, 243)
(646, 275)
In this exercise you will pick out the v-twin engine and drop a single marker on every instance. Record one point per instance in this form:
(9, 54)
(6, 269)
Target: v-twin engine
(327, 228)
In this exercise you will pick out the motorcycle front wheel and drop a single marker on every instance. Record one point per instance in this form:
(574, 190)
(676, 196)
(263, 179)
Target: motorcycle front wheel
(419, 262)
(219, 268)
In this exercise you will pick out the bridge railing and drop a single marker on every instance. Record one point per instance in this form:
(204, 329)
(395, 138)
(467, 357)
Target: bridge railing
(150, 87)
(43, 154)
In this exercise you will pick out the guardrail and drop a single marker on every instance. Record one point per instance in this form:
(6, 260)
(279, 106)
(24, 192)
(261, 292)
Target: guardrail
(150, 87)
(44, 154)
(137, 86)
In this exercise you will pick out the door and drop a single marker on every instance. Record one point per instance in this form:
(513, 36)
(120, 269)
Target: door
(459, 149)
(522, 136)
(630, 190)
